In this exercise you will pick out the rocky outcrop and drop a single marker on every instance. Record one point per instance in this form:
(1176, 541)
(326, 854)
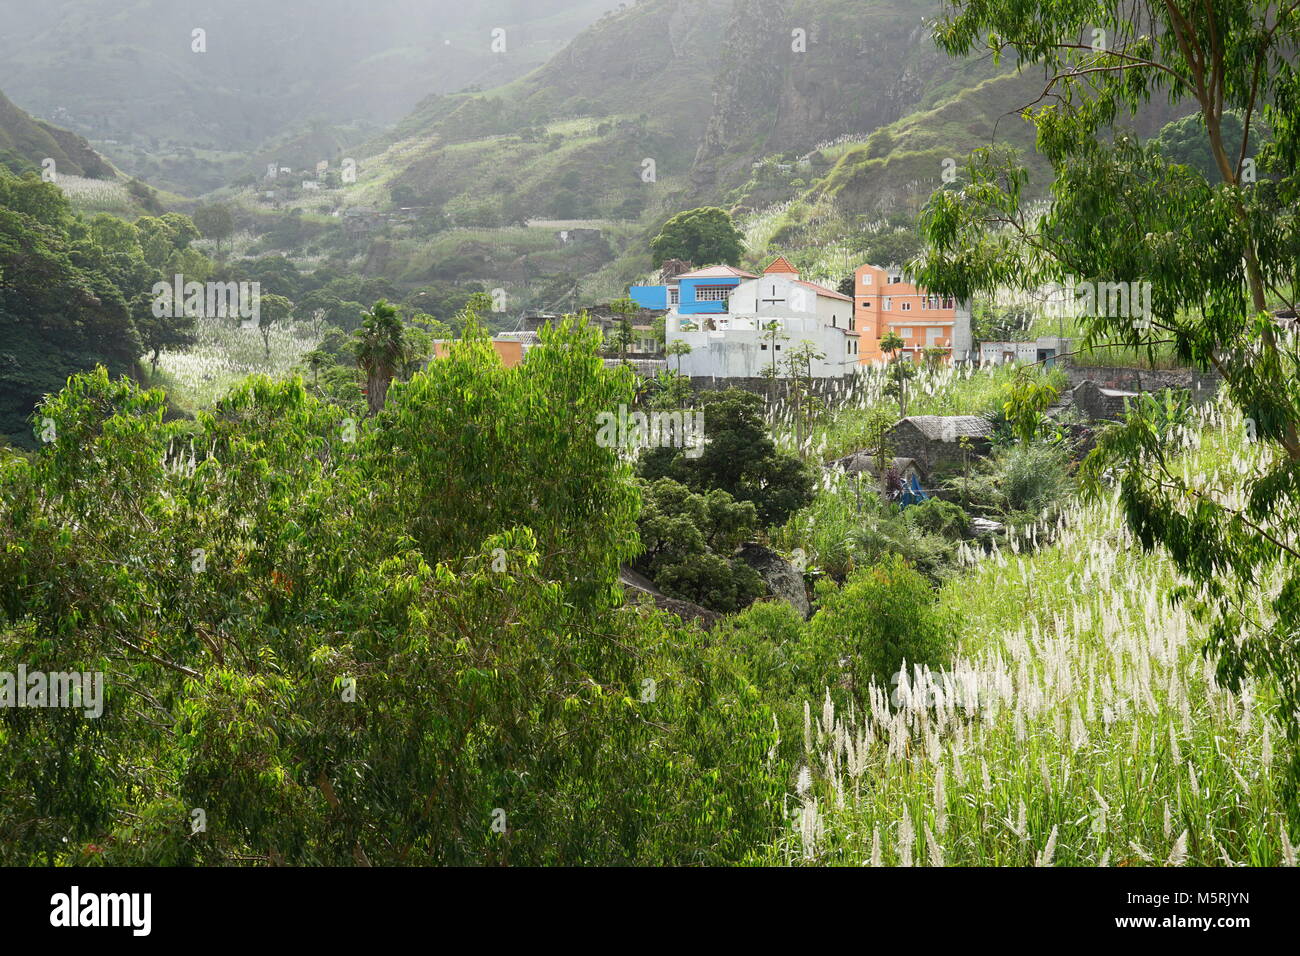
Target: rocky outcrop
(783, 580)
(638, 588)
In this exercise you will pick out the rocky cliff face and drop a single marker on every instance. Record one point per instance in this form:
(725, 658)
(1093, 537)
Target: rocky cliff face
(794, 73)
(717, 84)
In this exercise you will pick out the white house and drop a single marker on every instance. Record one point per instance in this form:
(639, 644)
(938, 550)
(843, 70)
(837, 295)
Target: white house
(766, 318)
(1044, 350)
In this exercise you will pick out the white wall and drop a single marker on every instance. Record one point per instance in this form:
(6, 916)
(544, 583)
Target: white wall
(734, 348)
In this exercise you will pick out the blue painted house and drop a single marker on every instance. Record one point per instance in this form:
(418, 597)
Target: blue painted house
(702, 292)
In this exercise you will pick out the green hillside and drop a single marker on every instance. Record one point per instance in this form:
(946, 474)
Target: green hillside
(815, 119)
(28, 142)
(643, 114)
(126, 74)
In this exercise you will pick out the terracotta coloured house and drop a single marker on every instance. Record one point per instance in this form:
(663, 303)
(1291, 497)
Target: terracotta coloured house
(885, 301)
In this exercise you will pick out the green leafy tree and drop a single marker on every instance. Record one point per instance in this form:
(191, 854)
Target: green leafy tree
(161, 237)
(890, 243)
(158, 333)
(276, 275)
(892, 345)
(705, 235)
(773, 336)
(798, 364)
(623, 334)
(1217, 254)
(61, 306)
(1186, 141)
(738, 457)
(677, 349)
(215, 222)
(274, 309)
(884, 618)
(690, 542)
(354, 642)
(680, 386)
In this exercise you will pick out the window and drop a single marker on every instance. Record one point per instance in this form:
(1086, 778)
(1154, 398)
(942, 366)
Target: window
(895, 278)
(853, 323)
(674, 296)
(887, 303)
(907, 307)
(763, 346)
(866, 279)
(904, 333)
(949, 303)
(712, 293)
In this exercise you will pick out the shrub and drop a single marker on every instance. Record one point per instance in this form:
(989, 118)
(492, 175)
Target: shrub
(883, 617)
(690, 541)
(1032, 477)
(940, 517)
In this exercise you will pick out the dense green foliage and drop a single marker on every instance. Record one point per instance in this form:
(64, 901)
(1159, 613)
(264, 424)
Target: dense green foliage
(704, 236)
(864, 632)
(1217, 255)
(1186, 141)
(738, 458)
(690, 542)
(883, 618)
(356, 642)
(68, 292)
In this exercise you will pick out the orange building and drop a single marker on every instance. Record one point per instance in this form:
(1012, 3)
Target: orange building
(883, 301)
(510, 352)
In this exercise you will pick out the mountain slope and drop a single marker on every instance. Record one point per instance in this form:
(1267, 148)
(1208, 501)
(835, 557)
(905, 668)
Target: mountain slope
(25, 140)
(126, 72)
(663, 105)
(721, 81)
(843, 109)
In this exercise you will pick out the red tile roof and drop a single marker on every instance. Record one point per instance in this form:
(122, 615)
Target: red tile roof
(781, 264)
(717, 272)
(822, 290)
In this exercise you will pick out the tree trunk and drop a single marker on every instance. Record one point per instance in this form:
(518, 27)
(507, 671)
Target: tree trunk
(376, 393)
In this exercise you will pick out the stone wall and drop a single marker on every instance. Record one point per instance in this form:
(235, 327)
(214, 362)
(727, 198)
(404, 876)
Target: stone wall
(825, 387)
(1203, 385)
(934, 457)
(1096, 404)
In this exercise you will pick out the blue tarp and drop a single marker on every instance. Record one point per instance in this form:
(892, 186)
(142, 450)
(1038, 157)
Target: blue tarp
(912, 493)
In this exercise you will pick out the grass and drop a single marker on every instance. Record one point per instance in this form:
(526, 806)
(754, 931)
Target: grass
(225, 353)
(97, 195)
(1077, 724)
(842, 428)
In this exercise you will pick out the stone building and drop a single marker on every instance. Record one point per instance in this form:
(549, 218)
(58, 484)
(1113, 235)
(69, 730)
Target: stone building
(940, 443)
(1101, 404)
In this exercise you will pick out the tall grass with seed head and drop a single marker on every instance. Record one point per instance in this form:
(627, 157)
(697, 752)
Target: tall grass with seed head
(224, 353)
(1080, 724)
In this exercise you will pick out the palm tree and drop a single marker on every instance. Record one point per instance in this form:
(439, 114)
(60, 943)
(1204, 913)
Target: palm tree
(380, 347)
(316, 360)
(892, 344)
